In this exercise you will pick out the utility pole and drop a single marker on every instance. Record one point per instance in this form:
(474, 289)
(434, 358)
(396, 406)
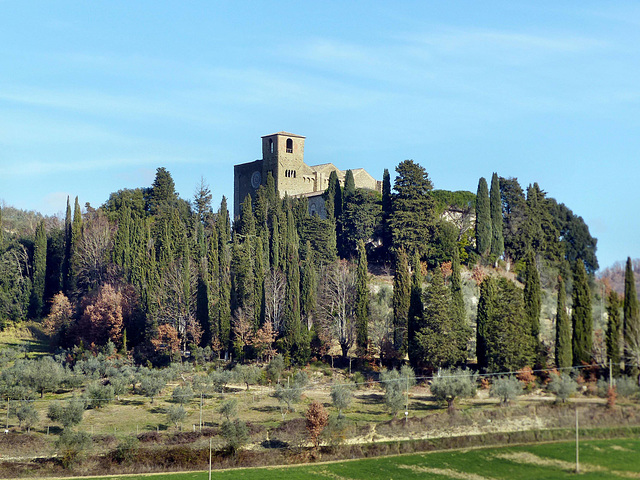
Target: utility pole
(577, 443)
(201, 411)
(209, 458)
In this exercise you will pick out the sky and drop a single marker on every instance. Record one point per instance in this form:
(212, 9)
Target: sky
(95, 96)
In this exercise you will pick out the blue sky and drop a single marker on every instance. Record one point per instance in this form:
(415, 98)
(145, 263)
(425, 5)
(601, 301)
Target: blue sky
(94, 96)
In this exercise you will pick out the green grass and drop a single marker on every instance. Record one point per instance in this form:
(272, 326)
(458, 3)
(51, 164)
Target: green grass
(600, 459)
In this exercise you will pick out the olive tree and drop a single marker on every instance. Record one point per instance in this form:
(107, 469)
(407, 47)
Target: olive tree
(451, 384)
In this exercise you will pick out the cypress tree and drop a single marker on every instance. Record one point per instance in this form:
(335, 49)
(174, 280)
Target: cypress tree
(214, 287)
(483, 219)
(457, 298)
(349, 184)
(275, 243)
(242, 277)
(1, 232)
(66, 262)
(532, 302)
(224, 257)
(202, 304)
(308, 286)
(386, 211)
(495, 204)
(400, 301)
(631, 320)
(415, 316)
(258, 283)
(563, 328)
(362, 300)
(582, 340)
(246, 223)
(39, 270)
(76, 236)
(613, 328)
(486, 305)
(122, 242)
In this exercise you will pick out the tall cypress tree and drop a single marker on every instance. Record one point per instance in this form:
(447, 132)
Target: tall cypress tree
(295, 337)
(258, 283)
(495, 203)
(532, 302)
(631, 320)
(386, 211)
(563, 328)
(213, 280)
(349, 184)
(401, 301)
(486, 305)
(415, 316)
(483, 219)
(582, 340)
(76, 236)
(39, 270)
(613, 328)
(457, 298)
(308, 286)
(362, 300)
(66, 262)
(224, 257)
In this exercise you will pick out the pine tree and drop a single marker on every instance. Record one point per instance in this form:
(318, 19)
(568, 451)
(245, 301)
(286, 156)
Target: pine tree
(39, 270)
(362, 300)
(495, 203)
(401, 301)
(413, 218)
(613, 328)
(532, 301)
(631, 320)
(563, 328)
(483, 219)
(486, 305)
(582, 340)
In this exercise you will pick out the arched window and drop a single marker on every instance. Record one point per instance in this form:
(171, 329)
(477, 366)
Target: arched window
(289, 145)
(270, 145)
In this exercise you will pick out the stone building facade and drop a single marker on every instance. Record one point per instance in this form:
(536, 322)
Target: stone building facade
(283, 157)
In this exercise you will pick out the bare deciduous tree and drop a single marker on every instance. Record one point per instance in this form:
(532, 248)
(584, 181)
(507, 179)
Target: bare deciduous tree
(274, 286)
(337, 303)
(92, 255)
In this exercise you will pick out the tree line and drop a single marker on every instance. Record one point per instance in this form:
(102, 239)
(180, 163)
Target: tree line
(158, 275)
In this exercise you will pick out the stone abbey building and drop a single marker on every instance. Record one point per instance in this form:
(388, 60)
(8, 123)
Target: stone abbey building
(283, 156)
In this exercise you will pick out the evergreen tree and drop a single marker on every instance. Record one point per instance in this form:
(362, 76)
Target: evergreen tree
(258, 283)
(76, 236)
(66, 262)
(563, 328)
(442, 341)
(457, 298)
(631, 320)
(362, 300)
(308, 286)
(413, 218)
(532, 301)
(416, 314)
(242, 277)
(213, 280)
(613, 328)
(39, 270)
(486, 305)
(483, 219)
(202, 202)
(495, 204)
(246, 223)
(162, 191)
(582, 340)
(295, 337)
(386, 211)
(349, 185)
(400, 302)
(122, 242)
(203, 301)
(275, 242)
(224, 257)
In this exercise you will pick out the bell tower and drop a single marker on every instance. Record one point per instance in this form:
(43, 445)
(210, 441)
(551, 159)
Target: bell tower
(283, 156)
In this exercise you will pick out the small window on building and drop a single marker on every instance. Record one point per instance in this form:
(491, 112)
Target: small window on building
(289, 145)
(270, 146)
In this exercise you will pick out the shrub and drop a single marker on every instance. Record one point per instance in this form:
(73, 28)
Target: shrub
(337, 431)
(506, 389)
(72, 446)
(275, 368)
(68, 414)
(98, 395)
(562, 386)
(627, 386)
(527, 378)
(126, 450)
(451, 384)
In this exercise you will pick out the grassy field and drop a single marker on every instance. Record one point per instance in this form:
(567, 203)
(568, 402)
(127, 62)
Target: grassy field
(603, 459)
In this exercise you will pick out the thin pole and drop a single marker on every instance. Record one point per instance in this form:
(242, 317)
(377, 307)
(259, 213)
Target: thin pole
(610, 373)
(209, 458)
(577, 444)
(7, 413)
(201, 412)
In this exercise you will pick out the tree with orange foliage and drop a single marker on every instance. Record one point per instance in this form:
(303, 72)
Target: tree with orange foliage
(59, 315)
(263, 340)
(317, 418)
(102, 320)
(167, 339)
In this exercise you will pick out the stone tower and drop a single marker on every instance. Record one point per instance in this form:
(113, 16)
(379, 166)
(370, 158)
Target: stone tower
(283, 156)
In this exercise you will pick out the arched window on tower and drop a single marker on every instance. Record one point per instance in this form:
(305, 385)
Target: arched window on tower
(270, 145)
(289, 145)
